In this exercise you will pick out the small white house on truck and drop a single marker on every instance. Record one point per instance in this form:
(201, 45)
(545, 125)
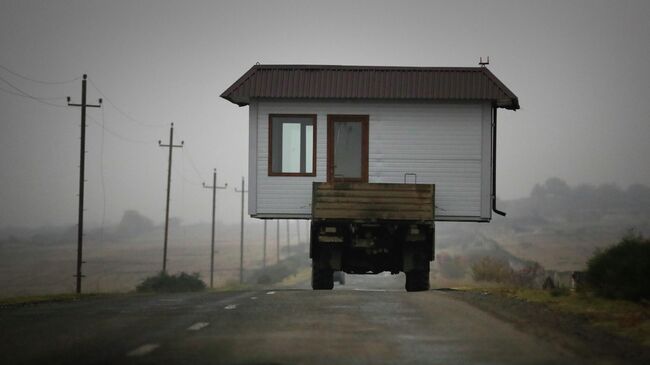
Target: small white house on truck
(353, 125)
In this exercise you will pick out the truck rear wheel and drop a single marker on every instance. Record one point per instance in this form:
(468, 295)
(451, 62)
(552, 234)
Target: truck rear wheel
(417, 280)
(321, 279)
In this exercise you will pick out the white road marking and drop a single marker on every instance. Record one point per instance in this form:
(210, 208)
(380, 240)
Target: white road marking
(253, 298)
(270, 292)
(143, 350)
(378, 290)
(230, 306)
(197, 326)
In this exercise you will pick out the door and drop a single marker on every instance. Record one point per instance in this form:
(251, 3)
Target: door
(347, 148)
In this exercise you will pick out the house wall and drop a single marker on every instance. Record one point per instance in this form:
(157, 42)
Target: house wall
(444, 144)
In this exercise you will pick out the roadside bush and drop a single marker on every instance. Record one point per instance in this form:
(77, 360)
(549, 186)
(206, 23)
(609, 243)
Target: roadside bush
(560, 291)
(451, 267)
(527, 277)
(277, 272)
(165, 283)
(491, 269)
(623, 270)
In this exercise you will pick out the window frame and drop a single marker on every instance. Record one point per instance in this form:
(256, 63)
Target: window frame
(365, 157)
(314, 118)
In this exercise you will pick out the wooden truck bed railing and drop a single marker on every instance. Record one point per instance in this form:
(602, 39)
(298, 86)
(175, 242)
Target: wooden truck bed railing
(360, 201)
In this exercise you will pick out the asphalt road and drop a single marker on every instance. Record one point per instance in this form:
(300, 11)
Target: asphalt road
(361, 323)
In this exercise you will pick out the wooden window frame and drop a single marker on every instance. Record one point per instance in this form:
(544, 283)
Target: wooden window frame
(363, 119)
(270, 137)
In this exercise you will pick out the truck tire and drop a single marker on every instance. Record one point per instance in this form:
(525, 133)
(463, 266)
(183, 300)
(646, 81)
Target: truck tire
(321, 279)
(339, 276)
(417, 280)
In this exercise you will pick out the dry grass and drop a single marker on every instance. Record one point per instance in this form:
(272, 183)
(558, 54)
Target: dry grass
(29, 269)
(624, 318)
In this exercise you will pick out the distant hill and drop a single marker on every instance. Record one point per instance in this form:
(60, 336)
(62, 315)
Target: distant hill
(555, 201)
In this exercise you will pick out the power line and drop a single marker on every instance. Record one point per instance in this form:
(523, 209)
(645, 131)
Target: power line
(119, 136)
(39, 97)
(125, 114)
(193, 182)
(28, 95)
(39, 81)
(196, 170)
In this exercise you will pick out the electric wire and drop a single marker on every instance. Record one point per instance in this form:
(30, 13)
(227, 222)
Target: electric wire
(39, 81)
(196, 170)
(125, 114)
(38, 97)
(28, 95)
(192, 182)
(119, 136)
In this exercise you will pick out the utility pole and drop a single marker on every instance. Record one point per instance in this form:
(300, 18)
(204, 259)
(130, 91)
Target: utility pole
(82, 165)
(171, 147)
(288, 240)
(277, 240)
(298, 230)
(241, 234)
(264, 259)
(214, 188)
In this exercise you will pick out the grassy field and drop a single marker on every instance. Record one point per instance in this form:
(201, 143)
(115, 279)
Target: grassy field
(624, 318)
(30, 269)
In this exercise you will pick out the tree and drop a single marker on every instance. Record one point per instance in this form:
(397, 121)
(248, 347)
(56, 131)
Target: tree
(133, 224)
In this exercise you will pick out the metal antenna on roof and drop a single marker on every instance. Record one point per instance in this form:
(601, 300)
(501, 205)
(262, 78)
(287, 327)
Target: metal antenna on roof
(483, 64)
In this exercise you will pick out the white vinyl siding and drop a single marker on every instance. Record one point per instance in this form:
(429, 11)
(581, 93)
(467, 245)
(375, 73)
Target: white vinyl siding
(443, 144)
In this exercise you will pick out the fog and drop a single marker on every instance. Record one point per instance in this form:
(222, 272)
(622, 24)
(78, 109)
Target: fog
(579, 68)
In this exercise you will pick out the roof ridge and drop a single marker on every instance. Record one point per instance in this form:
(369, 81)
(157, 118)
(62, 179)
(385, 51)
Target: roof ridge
(370, 82)
(366, 67)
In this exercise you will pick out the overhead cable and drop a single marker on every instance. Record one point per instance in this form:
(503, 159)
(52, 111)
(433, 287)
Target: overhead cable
(39, 81)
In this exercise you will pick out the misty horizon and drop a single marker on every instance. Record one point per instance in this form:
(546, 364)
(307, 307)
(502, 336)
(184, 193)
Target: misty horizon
(579, 69)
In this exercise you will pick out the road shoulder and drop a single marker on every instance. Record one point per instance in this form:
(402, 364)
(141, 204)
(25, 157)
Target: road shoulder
(570, 331)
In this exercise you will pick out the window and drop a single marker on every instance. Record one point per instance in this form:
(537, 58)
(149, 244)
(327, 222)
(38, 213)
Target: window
(292, 145)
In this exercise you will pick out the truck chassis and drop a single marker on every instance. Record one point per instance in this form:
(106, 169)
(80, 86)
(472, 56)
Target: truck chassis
(373, 236)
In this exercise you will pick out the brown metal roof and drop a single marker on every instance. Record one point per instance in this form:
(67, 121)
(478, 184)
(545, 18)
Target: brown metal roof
(370, 82)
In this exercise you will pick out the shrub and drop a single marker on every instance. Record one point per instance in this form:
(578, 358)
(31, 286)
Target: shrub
(451, 267)
(560, 291)
(277, 272)
(165, 283)
(528, 275)
(491, 269)
(623, 270)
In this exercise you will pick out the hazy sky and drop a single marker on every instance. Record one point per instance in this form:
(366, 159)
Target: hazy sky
(581, 70)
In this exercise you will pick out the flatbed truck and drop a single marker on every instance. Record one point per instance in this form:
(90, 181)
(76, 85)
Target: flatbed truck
(368, 228)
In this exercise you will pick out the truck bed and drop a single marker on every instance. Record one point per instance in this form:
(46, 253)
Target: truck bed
(373, 201)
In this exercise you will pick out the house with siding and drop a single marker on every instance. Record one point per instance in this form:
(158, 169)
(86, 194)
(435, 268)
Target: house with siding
(376, 124)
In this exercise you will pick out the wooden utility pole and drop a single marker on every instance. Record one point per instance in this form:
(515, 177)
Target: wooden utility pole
(82, 165)
(277, 240)
(298, 231)
(241, 233)
(264, 257)
(171, 147)
(214, 188)
(288, 240)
